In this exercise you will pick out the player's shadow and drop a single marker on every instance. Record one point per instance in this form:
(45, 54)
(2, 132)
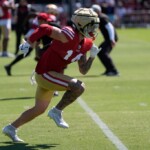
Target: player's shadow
(17, 75)
(87, 76)
(25, 146)
(16, 98)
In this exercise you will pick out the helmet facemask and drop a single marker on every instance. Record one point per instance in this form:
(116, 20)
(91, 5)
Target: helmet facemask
(90, 30)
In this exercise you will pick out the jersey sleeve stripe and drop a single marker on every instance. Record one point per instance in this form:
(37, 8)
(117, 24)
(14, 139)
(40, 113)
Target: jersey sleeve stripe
(68, 32)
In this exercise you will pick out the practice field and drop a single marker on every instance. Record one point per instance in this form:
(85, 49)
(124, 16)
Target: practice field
(112, 114)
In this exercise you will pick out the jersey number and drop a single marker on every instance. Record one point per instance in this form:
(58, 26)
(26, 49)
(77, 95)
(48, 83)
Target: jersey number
(69, 53)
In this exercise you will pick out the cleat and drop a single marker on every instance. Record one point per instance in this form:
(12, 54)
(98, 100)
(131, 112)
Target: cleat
(56, 115)
(11, 132)
(8, 70)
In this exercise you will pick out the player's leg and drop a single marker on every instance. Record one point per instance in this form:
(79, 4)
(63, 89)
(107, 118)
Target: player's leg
(18, 58)
(43, 98)
(6, 29)
(5, 33)
(74, 88)
(102, 55)
(105, 58)
(18, 39)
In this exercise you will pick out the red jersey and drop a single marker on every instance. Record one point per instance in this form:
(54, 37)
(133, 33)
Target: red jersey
(59, 54)
(5, 12)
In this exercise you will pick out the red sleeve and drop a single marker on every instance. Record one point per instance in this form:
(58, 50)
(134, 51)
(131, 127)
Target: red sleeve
(43, 30)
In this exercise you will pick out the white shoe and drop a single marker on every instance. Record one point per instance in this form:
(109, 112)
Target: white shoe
(56, 115)
(11, 132)
(56, 93)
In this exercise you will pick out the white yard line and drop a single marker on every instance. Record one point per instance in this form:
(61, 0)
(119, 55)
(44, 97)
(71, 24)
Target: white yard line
(110, 135)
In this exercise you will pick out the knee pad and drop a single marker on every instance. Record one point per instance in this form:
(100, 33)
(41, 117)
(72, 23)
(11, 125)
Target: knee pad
(77, 85)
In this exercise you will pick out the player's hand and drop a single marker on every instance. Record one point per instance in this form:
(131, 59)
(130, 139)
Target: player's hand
(94, 51)
(24, 47)
(113, 43)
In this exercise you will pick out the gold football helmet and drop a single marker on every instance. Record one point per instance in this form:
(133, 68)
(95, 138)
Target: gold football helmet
(52, 9)
(86, 22)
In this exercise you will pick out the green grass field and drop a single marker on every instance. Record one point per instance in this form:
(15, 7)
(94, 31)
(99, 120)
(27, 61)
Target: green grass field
(122, 103)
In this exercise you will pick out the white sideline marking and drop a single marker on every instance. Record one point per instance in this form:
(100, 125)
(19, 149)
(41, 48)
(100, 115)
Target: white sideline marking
(113, 138)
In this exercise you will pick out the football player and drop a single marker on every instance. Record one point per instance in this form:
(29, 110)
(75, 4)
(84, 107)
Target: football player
(70, 44)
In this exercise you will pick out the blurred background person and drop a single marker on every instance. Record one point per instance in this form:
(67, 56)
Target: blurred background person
(49, 17)
(53, 12)
(41, 19)
(110, 38)
(53, 15)
(5, 25)
(22, 10)
(120, 13)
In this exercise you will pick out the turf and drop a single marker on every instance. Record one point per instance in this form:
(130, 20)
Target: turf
(123, 103)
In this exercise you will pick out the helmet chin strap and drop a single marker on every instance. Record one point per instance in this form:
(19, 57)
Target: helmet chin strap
(85, 33)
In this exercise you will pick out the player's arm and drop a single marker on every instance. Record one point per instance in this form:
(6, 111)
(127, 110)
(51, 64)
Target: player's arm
(43, 30)
(47, 30)
(111, 33)
(84, 63)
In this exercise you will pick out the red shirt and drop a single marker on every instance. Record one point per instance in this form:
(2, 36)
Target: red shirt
(59, 54)
(6, 11)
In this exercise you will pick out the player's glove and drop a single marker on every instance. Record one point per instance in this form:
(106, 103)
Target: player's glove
(24, 47)
(94, 51)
